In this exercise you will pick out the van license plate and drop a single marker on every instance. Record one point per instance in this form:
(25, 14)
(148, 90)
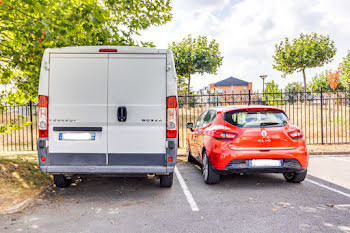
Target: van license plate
(265, 163)
(76, 136)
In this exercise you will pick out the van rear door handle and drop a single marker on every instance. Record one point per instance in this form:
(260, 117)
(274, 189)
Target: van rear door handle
(122, 113)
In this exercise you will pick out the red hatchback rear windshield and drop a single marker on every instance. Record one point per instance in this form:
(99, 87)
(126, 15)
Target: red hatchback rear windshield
(256, 118)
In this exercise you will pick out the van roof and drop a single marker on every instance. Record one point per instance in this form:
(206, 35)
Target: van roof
(95, 49)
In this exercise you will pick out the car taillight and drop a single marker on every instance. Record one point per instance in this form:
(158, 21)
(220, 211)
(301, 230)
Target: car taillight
(221, 135)
(296, 134)
(171, 125)
(43, 116)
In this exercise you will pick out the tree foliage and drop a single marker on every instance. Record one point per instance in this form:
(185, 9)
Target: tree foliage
(27, 27)
(195, 55)
(294, 87)
(320, 80)
(273, 95)
(345, 68)
(307, 51)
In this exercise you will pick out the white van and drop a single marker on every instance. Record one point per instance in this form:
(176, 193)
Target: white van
(107, 110)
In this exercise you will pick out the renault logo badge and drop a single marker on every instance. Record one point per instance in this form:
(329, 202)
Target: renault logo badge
(263, 134)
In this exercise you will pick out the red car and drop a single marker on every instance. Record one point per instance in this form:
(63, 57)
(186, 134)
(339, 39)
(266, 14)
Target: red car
(247, 139)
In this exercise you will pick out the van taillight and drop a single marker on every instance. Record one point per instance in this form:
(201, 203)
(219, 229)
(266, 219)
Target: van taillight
(43, 116)
(171, 125)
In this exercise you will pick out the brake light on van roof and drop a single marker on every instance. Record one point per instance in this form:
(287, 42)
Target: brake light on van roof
(43, 121)
(171, 117)
(108, 50)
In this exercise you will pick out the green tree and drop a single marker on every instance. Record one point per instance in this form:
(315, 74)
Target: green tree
(320, 80)
(272, 93)
(292, 89)
(195, 55)
(27, 27)
(307, 51)
(345, 68)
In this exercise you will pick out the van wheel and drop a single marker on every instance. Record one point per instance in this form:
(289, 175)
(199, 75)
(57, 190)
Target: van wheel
(166, 181)
(61, 181)
(190, 158)
(295, 177)
(209, 175)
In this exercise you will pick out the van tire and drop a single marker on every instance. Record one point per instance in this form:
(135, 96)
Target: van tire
(166, 181)
(295, 177)
(61, 181)
(209, 175)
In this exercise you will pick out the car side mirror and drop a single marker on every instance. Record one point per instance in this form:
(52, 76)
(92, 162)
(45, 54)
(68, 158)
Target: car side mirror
(189, 126)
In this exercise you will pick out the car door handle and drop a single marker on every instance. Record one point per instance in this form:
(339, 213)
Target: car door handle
(122, 113)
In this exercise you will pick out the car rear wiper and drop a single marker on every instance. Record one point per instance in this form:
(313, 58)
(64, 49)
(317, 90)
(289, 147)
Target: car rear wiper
(269, 123)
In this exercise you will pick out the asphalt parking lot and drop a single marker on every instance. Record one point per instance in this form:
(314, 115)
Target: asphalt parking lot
(240, 203)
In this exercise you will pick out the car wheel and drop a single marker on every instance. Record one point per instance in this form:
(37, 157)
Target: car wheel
(61, 181)
(209, 175)
(190, 158)
(166, 181)
(295, 177)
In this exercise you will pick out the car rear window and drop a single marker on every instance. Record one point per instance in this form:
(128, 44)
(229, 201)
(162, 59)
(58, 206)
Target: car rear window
(258, 118)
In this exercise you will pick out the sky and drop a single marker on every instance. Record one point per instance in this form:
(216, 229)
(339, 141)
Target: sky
(247, 31)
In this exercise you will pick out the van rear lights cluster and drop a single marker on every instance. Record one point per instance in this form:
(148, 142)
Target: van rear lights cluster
(221, 135)
(171, 125)
(296, 134)
(170, 159)
(43, 159)
(43, 121)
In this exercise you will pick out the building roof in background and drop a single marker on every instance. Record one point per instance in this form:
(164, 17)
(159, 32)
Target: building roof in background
(231, 81)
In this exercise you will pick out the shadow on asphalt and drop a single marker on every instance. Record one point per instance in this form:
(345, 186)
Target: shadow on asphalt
(101, 187)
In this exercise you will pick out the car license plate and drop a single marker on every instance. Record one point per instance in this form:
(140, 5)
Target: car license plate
(265, 163)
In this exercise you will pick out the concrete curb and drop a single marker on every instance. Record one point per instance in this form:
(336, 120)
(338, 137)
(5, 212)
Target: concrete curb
(329, 153)
(25, 203)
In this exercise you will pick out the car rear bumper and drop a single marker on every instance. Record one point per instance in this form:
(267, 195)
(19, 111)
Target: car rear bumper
(221, 157)
(289, 165)
(106, 169)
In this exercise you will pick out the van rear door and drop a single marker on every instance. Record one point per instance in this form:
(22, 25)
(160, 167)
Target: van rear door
(137, 109)
(78, 109)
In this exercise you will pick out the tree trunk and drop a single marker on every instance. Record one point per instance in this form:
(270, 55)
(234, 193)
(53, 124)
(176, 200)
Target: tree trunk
(189, 85)
(304, 80)
(188, 90)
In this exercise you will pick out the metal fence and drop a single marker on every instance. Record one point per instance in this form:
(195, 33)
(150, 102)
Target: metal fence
(323, 116)
(23, 139)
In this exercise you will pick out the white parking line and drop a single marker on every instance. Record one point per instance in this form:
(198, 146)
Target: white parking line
(329, 188)
(187, 192)
(339, 159)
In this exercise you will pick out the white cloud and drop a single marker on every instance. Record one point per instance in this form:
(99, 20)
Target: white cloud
(247, 31)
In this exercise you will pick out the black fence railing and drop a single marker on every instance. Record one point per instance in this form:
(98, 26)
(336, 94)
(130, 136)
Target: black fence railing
(25, 138)
(323, 116)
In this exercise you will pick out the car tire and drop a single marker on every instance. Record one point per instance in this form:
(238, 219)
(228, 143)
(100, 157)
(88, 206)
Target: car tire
(61, 181)
(295, 177)
(209, 175)
(166, 181)
(190, 158)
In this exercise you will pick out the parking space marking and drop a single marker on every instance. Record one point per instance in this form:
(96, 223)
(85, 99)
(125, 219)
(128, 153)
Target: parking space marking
(329, 188)
(339, 159)
(186, 191)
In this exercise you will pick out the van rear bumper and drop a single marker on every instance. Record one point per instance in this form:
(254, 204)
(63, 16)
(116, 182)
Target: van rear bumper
(106, 169)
